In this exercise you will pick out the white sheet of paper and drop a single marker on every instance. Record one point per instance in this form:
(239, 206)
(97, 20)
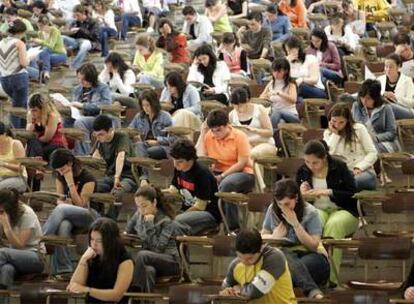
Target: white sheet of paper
(369, 74)
(75, 113)
(61, 99)
(407, 68)
(33, 52)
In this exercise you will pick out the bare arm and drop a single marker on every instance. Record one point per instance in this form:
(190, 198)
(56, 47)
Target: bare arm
(50, 128)
(21, 48)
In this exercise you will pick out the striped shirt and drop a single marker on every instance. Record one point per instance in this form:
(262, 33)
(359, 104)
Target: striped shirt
(9, 57)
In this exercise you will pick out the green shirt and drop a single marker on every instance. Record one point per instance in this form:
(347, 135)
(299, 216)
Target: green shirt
(109, 152)
(54, 42)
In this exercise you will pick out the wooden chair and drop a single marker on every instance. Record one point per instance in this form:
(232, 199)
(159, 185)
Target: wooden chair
(380, 249)
(352, 87)
(368, 48)
(317, 19)
(210, 105)
(269, 162)
(385, 28)
(29, 164)
(163, 167)
(303, 34)
(294, 133)
(407, 168)
(289, 166)
(146, 297)
(333, 91)
(312, 134)
(392, 160)
(354, 68)
(62, 294)
(396, 14)
(23, 135)
(191, 294)
(405, 131)
(397, 203)
(240, 200)
(314, 108)
(383, 50)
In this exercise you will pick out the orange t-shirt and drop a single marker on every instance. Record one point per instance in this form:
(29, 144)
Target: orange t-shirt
(227, 150)
(296, 14)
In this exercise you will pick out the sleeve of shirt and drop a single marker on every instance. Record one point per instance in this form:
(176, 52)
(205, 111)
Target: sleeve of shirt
(165, 95)
(130, 227)
(229, 280)
(273, 268)
(267, 222)
(123, 144)
(313, 225)
(193, 99)
(390, 129)
(243, 145)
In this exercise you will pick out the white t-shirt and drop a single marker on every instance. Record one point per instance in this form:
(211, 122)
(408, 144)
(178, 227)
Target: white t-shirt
(302, 70)
(323, 202)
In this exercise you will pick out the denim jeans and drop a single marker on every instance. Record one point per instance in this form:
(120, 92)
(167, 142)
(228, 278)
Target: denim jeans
(328, 74)
(239, 182)
(366, 181)
(309, 270)
(17, 87)
(83, 46)
(149, 265)
(15, 182)
(198, 221)
(50, 59)
(18, 261)
(310, 91)
(106, 184)
(147, 79)
(277, 116)
(155, 152)
(401, 112)
(127, 21)
(104, 34)
(86, 124)
(63, 219)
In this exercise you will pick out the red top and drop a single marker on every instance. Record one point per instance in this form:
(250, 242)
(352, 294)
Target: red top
(58, 138)
(180, 53)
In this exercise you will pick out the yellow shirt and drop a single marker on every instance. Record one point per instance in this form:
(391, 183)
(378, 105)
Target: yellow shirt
(266, 282)
(7, 158)
(153, 66)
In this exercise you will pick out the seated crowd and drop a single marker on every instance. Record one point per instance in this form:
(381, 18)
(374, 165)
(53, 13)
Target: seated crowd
(210, 100)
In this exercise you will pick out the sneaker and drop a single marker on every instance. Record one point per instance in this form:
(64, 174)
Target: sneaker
(150, 30)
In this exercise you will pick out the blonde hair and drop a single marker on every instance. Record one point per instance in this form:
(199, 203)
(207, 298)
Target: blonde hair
(147, 41)
(45, 104)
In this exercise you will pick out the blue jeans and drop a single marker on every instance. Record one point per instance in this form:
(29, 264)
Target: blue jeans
(18, 261)
(17, 87)
(310, 91)
(83, 46)
(86, 124)
(147, 79)
(239, 182)
(401, 112)
(127, 21)
(104, 34)
(198, 221)
(277, 116)
(309, 270)
(366, 181)
(149, 265)
(63, 219)
(155, 152)
(49, 59)
(328, 74)
(106, 184)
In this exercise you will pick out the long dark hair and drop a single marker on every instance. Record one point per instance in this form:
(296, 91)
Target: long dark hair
(5, 130)
(117, 62)
(152, 98)
(61, 157)
(151, 194)
(174, 79)
(341, 109)
(287, 188)
(320, 33)
(293, 42)
(111, 242)
(205, 49)
(279, 64)
(9, 200)
(319, 148)
(372, 88)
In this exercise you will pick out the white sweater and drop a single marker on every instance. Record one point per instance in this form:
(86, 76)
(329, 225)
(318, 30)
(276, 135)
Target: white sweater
(404, 90)
(124, 86)
(361, 154)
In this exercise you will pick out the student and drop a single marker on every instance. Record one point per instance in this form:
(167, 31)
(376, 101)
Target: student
(305, 68)
(153, 141)
(295, 10)
(130, 15)
(84, 31)
(46, 124)
(149, 60)
(403, 47)
(11, 16)
(21, 229)
(397, 88)
(214, 74)
(341, 34)
(375, 11)
(175, 43)
(105, 270)
(153, 224)
(298, 221)
(233, 55)
(216, 11)
(238, 8)
(278, 23)
(197, 27)
(372, 111)
(351, 140)
(87, 96)
(332, 185)
(114, 148)
(259, 272)
(107, 27)
(118, 76)
(14, 76)
(257, 37)
(10, 149)
(197, 185)
(231, 148)
(73, 212)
